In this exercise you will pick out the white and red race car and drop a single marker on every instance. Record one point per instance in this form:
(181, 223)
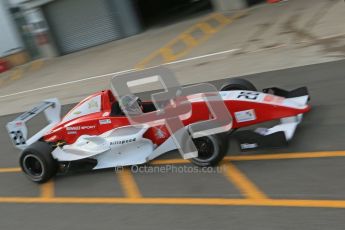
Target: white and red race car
(97, 133)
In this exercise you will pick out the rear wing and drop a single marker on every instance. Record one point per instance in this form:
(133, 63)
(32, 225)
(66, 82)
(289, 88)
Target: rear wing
(18, 130)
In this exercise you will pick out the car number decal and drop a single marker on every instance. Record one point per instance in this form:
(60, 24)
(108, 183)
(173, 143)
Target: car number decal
(248, 95)
(17, 137)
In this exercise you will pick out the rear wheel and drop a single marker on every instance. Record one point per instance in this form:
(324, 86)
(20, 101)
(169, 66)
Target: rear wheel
(211, 150)
(238, 84)
(37, 162)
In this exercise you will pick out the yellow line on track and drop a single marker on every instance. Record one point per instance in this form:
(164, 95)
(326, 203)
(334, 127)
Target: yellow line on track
(273, 156)
(247, 188)
(167, 54)
(223, 19)
(190, 41)
(129, 186)
(206, 28)
(169, 161)
(280, 156)
(48, 189)
(181, 201)
(10, 170)
(36, 65)
(17, 74)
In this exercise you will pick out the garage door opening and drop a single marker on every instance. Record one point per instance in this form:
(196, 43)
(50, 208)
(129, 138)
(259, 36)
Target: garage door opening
(80, 24)
(163, 12)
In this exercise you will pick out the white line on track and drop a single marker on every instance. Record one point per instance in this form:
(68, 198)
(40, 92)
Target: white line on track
(68, 83)
(202, 56)
(169, 63)
(117, 73)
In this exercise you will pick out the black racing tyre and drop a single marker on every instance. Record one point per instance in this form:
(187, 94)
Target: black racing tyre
(211, 150)
(238, 84)
(37, 162)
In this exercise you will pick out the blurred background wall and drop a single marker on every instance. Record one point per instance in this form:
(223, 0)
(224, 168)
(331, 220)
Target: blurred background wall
(48, 28)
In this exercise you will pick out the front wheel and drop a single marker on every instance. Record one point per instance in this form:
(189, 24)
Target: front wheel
(238, 84)
(37, 162)
(211, 150)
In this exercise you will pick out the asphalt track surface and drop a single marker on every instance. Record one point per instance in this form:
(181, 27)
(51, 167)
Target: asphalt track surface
(298, 187)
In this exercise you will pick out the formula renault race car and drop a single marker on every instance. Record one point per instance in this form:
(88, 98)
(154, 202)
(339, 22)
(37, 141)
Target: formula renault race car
(96, 132)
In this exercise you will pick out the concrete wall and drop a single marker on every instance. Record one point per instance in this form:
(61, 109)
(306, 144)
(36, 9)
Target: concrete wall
(9, 36)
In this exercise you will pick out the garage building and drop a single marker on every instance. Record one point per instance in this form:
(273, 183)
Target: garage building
(73, 25)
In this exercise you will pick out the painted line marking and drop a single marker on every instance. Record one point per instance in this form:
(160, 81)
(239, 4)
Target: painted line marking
(276, 156)
(222, 19)
(118, 73)
(202, 56)
(280, 156)
(17, 74)
(181, 201)
(36, 65)
(48, 189)
(186, 37)
(189, 40)
(133, 70)
(128, 184)
(236, 177)
(68, 83)
(167, 54)
(10, 170)
(47, 194)
(206, 28)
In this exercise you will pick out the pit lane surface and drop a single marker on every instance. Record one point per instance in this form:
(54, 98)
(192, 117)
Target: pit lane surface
(303, 188)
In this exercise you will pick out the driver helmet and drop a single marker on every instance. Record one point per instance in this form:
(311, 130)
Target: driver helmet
(131, 105)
